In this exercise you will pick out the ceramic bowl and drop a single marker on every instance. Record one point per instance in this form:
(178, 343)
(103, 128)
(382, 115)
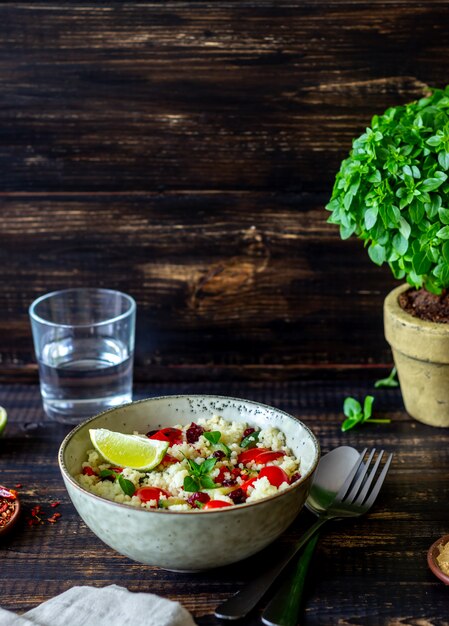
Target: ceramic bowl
(432, 554)
(189, 540)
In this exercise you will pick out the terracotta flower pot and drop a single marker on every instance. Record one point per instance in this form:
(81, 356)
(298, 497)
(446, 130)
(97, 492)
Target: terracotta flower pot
(421, 355)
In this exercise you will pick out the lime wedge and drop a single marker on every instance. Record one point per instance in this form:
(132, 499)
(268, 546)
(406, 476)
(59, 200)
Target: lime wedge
(3, 420)
(135, 451)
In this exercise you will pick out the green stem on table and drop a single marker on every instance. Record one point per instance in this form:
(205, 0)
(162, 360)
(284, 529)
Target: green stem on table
(284, 608)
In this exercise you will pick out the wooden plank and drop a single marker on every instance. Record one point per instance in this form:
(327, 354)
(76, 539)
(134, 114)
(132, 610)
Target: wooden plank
(363, 571)
(204, 95)
(240, 282)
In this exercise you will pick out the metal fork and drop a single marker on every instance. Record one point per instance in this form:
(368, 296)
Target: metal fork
(356, 497)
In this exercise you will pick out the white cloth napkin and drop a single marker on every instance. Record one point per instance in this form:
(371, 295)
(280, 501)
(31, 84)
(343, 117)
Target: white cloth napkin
(106, 606)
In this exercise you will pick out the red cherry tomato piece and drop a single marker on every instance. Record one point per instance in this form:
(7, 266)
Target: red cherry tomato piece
(266, 457)
(216, 504)
(169, 459)
(248, 483)
(88, 471)
(172, 435)
(150, 493)
(276, 475)
(221, 474)
(250, 455)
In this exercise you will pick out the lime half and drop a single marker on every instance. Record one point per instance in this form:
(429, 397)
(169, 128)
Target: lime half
(3, 419)
(135, 451)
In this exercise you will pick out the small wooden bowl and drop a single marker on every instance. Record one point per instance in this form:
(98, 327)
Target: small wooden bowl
(14, 518)
(432, 554)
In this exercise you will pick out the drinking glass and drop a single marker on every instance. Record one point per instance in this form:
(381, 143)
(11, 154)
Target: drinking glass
(84, 345)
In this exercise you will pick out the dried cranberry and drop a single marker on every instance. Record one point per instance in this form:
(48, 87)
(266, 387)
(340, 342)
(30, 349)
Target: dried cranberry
(219, 454)
(198, 496)
(238, 496)
(295, 477)
(248, 431)
(228, 482)
(194, 432)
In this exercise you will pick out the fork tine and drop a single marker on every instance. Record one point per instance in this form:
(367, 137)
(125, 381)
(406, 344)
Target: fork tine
(362, 495)
(360, 478)
(344, 488)
(375, 492)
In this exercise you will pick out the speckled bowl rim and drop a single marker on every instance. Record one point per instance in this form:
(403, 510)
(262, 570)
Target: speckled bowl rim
(224, 510)
(432, 562)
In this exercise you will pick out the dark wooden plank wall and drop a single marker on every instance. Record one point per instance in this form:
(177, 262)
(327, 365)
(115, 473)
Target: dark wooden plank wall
(184, 152)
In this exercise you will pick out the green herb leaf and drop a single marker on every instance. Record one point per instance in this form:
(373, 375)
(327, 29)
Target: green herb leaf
(126, 485)
(377, 253)
(195, 468)
(207, 466)
(355, 415)
(213, 436)
(367, 408)
(390, 381)
(207, 482)
(351, 407)
(349, 423)
(191, 484)
(250, 441)
(106, 473)
(224, 448)
(391, 187)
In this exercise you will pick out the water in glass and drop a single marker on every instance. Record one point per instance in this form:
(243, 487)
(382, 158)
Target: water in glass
(83, 376)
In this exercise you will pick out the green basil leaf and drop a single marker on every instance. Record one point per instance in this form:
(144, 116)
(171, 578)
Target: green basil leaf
(207, 482)
(444, 215)
(195, 468)
(400, 244)
(368, 407)
(390, 381)
(377, 253)
(207, 466)
(421, 264)
(126, 485)
(435, 140)
(445, 251)
(349, 423)
(370, 217)
(213, 436)
(223, 447)
(106, 473)
(443, 160)
(433, 183)
(190, 484)
(443, 233)
(250, 441)
(352, 407)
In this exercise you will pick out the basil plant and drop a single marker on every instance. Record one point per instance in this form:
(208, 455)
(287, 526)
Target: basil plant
(393, 191)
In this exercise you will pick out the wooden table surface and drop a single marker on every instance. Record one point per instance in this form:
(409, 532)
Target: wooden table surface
(369, 571)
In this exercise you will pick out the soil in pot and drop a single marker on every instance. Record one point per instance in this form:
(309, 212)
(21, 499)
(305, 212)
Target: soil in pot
(425, 305)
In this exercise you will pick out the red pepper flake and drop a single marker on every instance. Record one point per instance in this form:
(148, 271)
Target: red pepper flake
(54, 504)
(18, 486)
(54, 518)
